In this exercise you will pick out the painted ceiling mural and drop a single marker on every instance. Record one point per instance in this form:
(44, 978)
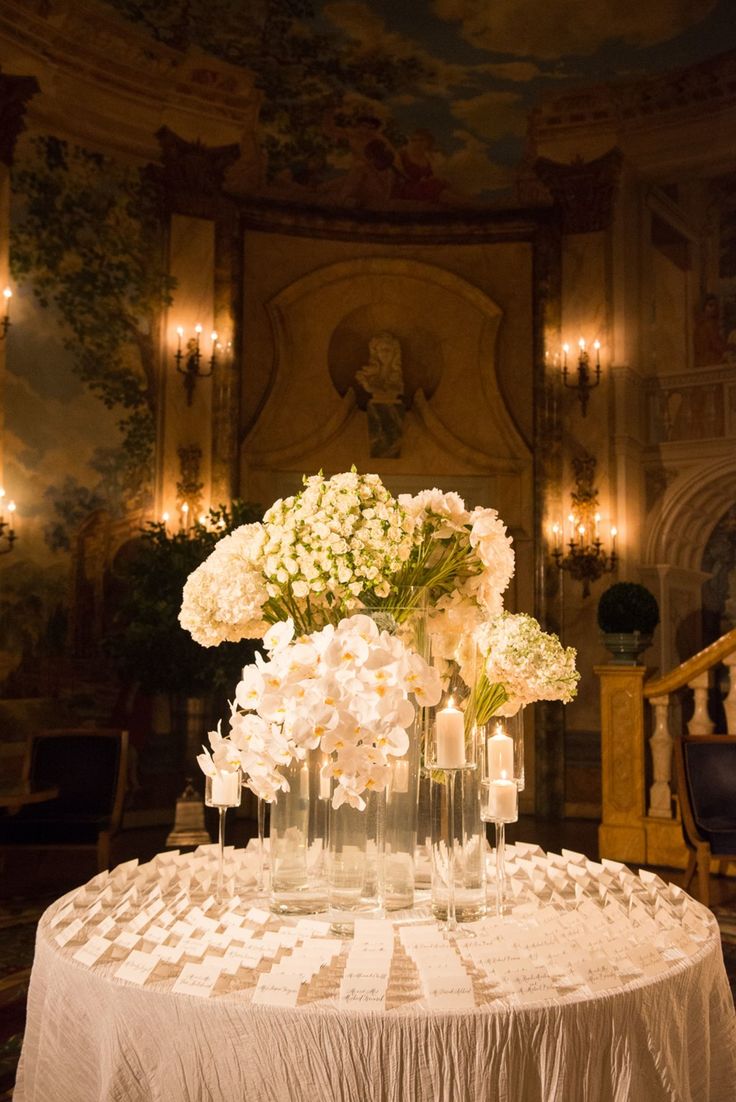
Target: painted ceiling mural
(396, 102)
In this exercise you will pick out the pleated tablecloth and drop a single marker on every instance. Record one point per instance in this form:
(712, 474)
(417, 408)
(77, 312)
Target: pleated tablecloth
(92, 1038)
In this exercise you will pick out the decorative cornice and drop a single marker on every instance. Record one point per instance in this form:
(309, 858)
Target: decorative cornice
(74, 45)
(693, 90)
(584, 191)
(192, 171)
(15, 92)
(490, 224)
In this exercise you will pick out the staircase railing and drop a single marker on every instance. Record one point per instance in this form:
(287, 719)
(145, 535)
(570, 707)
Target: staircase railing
(645, 826)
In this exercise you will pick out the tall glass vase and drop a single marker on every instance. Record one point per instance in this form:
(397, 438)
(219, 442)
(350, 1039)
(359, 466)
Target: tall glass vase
(405, 614)
(458, 838)
(355, 861)
(297, 842)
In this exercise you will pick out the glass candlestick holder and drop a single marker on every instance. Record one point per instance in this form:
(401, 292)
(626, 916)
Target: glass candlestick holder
(223, 790)
(500, 805)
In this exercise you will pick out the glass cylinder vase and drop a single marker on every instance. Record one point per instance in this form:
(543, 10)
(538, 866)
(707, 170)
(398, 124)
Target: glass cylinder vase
(458, 838)
(355, 861)
(405, 615)
(297, 841)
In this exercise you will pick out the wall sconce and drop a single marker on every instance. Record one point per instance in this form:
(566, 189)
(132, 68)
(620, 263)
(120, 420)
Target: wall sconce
(583, 383)
(585, 559)
(189, 360)
(5, 323)
(7, 539)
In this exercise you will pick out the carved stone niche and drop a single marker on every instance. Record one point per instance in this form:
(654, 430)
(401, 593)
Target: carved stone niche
(450, 413)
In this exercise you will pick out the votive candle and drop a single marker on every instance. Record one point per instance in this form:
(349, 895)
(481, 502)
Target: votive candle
(503, 798)
(500, 755)
(225, 790)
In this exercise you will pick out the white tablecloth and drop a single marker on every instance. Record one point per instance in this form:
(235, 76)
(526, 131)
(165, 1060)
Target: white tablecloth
(91, 1038)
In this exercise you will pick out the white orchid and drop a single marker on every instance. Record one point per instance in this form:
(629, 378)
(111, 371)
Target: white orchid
(343, 689)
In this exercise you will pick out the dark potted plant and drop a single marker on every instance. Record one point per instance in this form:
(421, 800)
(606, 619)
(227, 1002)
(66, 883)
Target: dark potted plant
(153, 655)
(628, 613)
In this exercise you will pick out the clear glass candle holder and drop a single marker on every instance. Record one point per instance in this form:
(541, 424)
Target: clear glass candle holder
(222, 790)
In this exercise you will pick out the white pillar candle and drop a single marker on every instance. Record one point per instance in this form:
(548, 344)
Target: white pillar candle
(226, 789)
(503, 801)
(304, 782)
(400, 781)
(450, 738)
(325, 784)
(500, 755)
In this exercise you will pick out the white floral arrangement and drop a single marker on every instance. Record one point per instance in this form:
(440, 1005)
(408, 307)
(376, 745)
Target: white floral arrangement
(342, 543)
(528, 664)
(332, 679)
(344, 690)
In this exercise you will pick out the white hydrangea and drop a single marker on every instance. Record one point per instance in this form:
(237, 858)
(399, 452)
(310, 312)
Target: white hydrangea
(224, 598)
(529, 663)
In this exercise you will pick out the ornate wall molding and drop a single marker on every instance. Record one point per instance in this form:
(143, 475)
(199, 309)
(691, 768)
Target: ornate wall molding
(695, 90)
(584, 191)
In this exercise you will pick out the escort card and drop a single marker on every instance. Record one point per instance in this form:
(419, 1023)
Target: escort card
(137, 967)
(138, 922)
(171, 954)
(600, 973)
(92, 951)
(362, 992)
(127, 940)
(314, 927)
(258, 916)
(61, 915)
(70, 932)
(198, 979)
(449, 992)
(276, 990)
(194, 946)
(156, 934)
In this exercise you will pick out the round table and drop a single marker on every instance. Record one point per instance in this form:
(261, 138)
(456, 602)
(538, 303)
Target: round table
(670, 1036)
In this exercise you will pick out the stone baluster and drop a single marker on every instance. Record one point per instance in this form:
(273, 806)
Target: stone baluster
(660, 744)
(700, 723)
(729, 703)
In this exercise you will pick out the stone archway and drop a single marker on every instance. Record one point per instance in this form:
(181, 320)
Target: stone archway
(672, 561)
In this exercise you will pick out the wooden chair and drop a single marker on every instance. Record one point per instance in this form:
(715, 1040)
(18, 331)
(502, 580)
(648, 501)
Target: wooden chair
(89, 767)
(705, 767)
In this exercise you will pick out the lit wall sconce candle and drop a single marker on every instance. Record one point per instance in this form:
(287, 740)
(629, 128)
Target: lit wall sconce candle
(185, 516)
(614, 533)
(500, 755)
(450, 738)
(7, 295)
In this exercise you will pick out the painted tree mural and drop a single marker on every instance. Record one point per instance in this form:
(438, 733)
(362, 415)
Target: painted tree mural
(88, 239)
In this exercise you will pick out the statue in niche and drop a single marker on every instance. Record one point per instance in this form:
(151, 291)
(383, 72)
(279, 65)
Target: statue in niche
(383, 380)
